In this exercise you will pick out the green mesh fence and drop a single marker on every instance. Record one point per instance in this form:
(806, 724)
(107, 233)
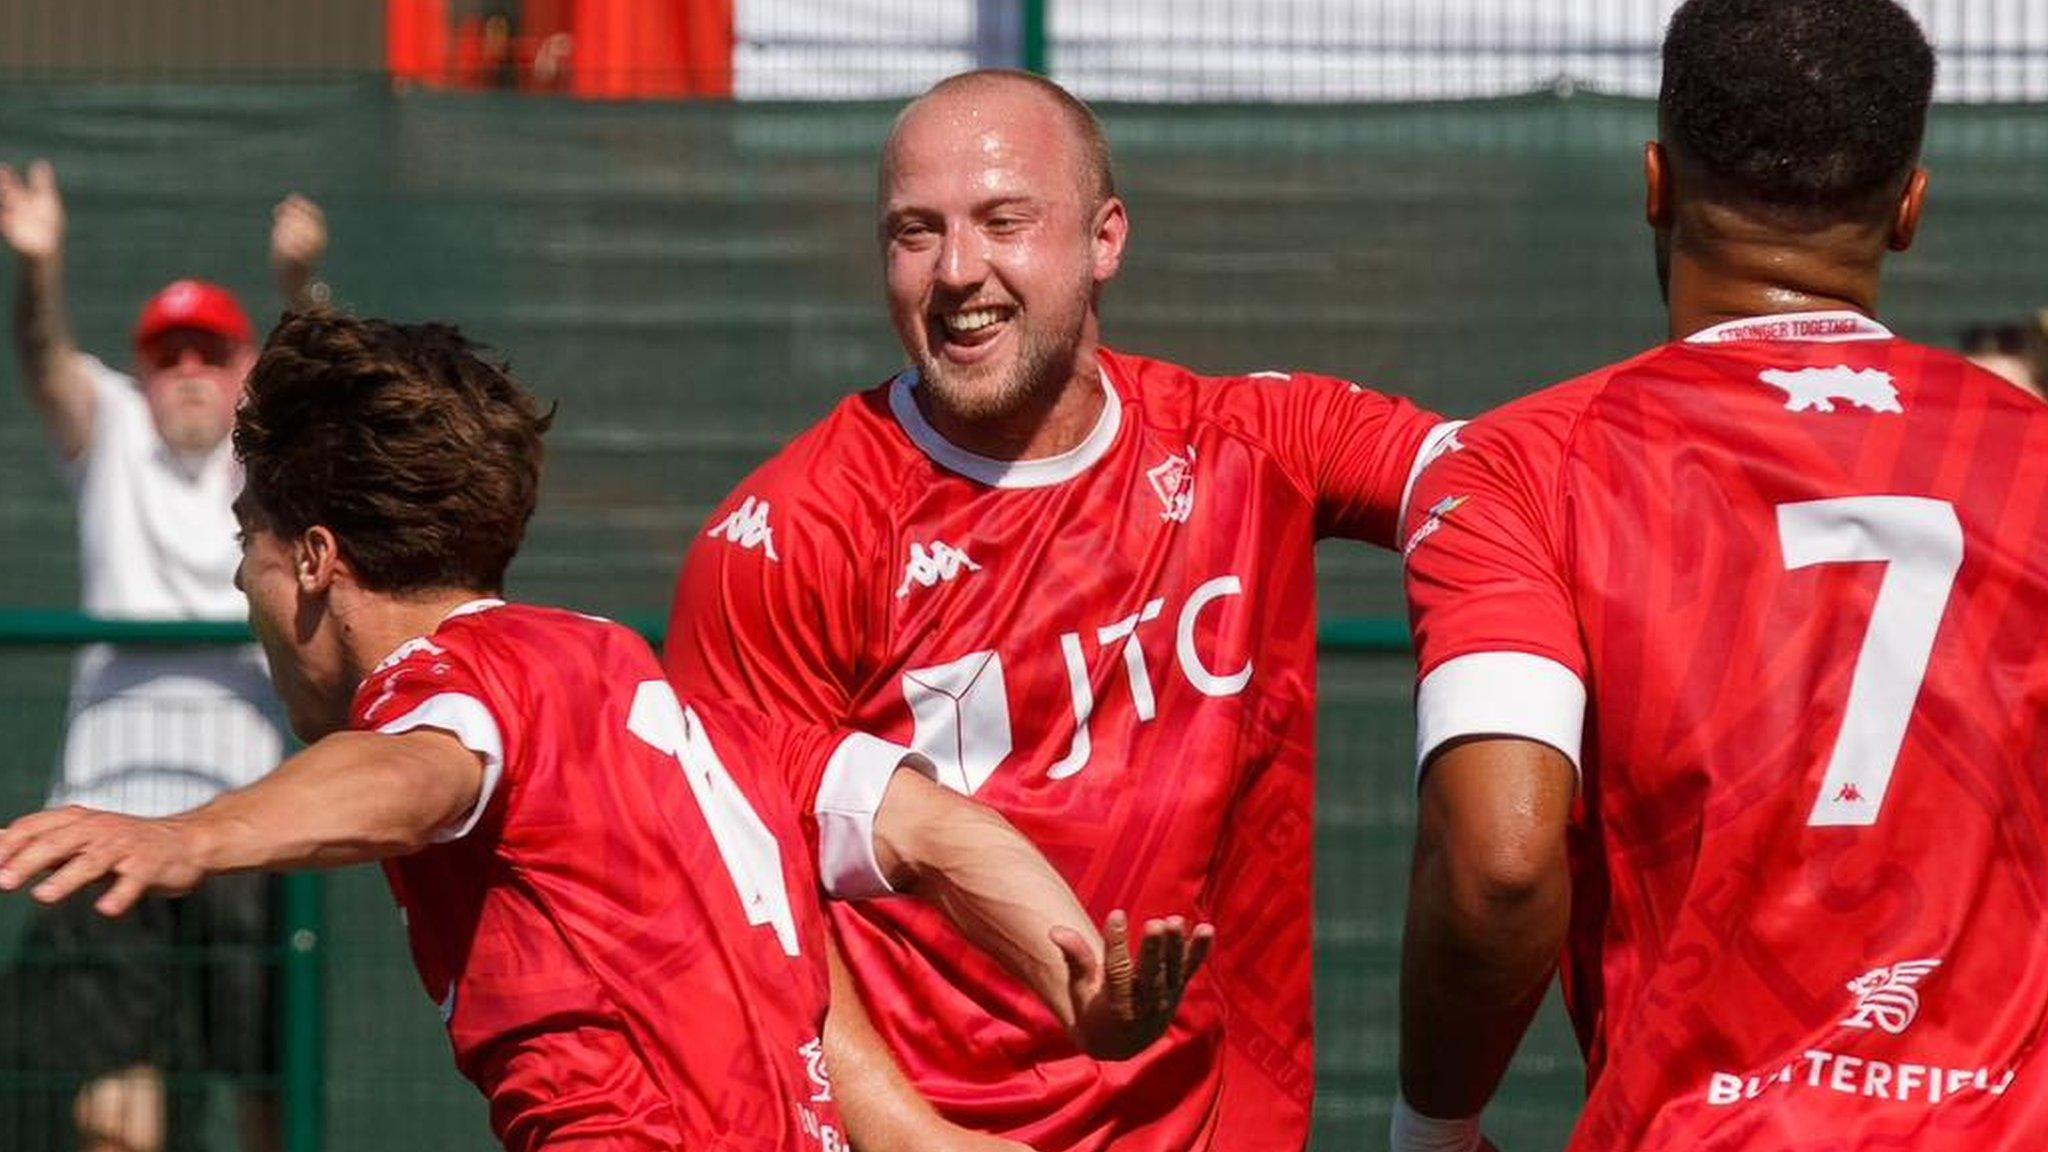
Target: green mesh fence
(696, 282)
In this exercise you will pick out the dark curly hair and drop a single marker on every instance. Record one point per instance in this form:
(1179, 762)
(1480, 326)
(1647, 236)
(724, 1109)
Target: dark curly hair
(420, 455)
(1797, 103)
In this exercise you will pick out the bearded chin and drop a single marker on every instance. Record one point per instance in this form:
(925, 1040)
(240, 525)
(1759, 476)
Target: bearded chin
(1042, 367)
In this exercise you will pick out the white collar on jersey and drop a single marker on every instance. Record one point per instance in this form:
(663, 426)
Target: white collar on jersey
(1834, 327)
(417, 643)
(1041, 472)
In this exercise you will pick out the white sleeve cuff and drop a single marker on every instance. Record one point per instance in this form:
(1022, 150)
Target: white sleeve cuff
(1441, 439)
(856, 778)
(465, 718)
(1500, 694)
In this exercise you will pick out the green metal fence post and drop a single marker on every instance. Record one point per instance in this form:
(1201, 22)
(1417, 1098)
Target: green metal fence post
(305, 1031)
(1035, 57)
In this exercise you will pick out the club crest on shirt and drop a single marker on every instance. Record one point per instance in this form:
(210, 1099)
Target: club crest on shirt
(1430, 526)
(1173, 481)
(1817, 389)
(1886, 998)
(813, 1053)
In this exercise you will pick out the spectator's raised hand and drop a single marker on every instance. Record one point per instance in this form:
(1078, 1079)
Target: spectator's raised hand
(32, 212)
(1122, 1005)
(298, 241)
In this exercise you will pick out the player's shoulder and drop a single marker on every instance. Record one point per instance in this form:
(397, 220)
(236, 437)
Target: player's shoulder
(1163, 381)
(523, 633)
(1250, 403)
(1548, 418)
(119, 399)
(840, 472)
(1523, 448)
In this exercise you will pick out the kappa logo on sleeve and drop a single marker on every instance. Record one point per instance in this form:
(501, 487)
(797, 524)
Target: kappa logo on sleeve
(748, 528)
(1817, 389)
(1438, 512)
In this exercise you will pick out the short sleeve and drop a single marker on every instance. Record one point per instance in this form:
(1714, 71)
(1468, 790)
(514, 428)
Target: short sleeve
(766, 609)
(836, 778)
(425, 686)
(120, 425)
(1355, 451)
(1496, 630)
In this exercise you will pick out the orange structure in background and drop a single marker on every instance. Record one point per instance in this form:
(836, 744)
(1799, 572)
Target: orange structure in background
(597, 49)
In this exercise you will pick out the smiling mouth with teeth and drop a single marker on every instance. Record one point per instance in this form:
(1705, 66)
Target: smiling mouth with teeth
(970, 321)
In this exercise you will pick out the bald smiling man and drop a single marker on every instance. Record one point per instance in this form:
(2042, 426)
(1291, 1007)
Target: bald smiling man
(1082, 582)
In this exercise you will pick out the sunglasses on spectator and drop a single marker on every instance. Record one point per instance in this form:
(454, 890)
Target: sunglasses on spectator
(168, 350)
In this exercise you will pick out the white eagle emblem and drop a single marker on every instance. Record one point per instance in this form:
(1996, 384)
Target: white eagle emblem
(1885, 998)
(1817, 389)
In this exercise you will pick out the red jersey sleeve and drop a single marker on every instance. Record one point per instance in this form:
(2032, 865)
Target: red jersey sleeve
(851, 771)
(1496, 632)
(1355, 451)
(426, 685)
(766, 610)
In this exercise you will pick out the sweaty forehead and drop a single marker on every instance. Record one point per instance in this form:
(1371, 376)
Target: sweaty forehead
(986, 134)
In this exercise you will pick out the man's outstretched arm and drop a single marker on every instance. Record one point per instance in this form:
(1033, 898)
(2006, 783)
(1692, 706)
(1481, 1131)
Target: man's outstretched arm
(966, 860)
(53, 369)
(350, 798)
(1488, 906)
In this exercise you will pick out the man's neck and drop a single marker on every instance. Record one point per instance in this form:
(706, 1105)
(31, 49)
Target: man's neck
(1057, 424)
(1744, 272)
(375, 624)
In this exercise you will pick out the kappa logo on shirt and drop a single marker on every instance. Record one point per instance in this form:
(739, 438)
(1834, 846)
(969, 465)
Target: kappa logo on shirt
(934, 565)
(1817, 389)
(407, 651)
(1434, 523)
(747, 527)
(1173, 481)
(1886, 998)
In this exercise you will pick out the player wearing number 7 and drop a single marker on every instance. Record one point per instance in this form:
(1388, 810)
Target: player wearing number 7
(609, 893)
(1732, 674)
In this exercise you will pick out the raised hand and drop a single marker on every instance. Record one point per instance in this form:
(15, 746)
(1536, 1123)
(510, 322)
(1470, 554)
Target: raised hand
(1121, 1005)
(32, 212)
(76, 846)
(298, 241)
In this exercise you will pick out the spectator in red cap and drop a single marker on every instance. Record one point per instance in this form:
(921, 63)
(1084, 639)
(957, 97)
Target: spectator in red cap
(153, 732)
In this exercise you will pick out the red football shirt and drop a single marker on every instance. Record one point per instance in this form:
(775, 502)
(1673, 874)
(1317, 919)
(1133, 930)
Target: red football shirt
(1116, 649)
(1779, 591)
(624, 936)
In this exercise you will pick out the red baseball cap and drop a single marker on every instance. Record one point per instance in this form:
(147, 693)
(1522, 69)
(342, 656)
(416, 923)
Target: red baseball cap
(193, 304)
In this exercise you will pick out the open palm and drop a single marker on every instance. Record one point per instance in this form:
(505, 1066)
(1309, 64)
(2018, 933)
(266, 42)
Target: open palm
(32, 212)
(1122, 1004)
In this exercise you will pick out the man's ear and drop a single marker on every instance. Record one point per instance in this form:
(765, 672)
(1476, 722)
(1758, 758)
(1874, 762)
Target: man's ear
(1111, 228)
(316, 560)
(1906, 217)
(1657, 189)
